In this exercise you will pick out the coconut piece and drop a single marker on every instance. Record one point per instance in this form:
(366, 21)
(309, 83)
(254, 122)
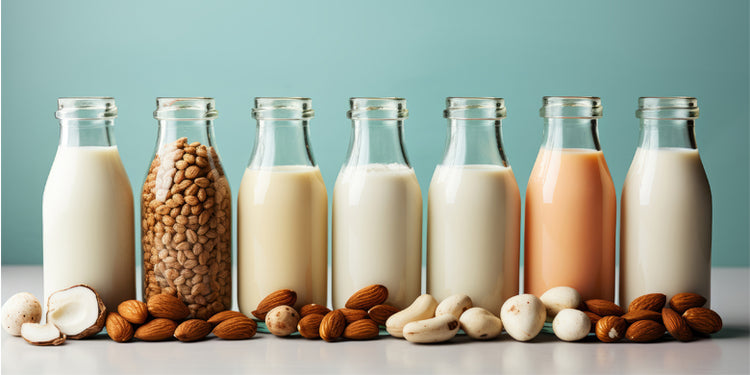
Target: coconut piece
(42, 334)
(19, 309)
(78, 311)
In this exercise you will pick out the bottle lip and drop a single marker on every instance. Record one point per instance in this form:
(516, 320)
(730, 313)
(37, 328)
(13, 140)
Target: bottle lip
(377, 108)
(474, 108)
(86, 108)
(178, 108)
(581, 107)
(282, 108)
(667, 108)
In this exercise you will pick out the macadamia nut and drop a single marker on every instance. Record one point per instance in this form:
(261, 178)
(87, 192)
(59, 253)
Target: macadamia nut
(571, 325)
(19, 309)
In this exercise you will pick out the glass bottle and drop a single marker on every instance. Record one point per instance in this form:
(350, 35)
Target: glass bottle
(87, 210)
(282, 209)
(377, 207)
(474, 209)
(665, 234)
(186, 216)
(571, 205)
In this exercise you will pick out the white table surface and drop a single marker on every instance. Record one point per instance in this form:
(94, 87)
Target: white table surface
(727, 352)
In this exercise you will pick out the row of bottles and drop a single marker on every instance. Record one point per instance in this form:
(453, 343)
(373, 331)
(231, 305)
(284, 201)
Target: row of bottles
(474, 207)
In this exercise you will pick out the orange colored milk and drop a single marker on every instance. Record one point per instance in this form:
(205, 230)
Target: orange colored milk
(570, 224)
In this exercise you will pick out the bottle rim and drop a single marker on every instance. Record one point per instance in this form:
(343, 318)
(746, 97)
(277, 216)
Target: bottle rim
(580, 107)
(377, 108)
(282, 108)
(86, 108)
(667, 108)
(185, 108)
(474, 108)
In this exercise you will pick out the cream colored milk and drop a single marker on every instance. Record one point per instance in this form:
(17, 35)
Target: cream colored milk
(87, 222)
(665, 238)
(377, 232)
(282, 229)
(473, 234)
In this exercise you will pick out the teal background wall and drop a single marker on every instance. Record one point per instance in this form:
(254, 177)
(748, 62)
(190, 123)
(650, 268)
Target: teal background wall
(331, 50)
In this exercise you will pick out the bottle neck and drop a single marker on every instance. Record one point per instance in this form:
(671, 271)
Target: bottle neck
(281, 142)
(474, 142)
(571, 133)
(376, 141)
(82, 133)
(656, 133)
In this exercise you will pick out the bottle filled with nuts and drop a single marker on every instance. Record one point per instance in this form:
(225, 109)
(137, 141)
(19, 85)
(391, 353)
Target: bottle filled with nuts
(186, 216)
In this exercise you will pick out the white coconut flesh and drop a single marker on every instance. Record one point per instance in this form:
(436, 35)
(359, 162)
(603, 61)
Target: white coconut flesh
(73, 310)
(41, 334)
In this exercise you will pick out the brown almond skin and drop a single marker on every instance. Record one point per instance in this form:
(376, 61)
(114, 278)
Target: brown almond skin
(676, 325)
(652, 302)
(645, 331)
(224, 315)
(133, 310)
(309, 326)
(381, 313)
(237, 328)
(352, 315)
(158, 329)
(168, 307)
(118, 328)
(363, 329)
(703, 320)
(313, 308)
(192, 330)
(681, 302)
(603, 307)
(332, 326)
(367, 297)
(280, 297)
(606, 324)
(636, 315)
(593, 318)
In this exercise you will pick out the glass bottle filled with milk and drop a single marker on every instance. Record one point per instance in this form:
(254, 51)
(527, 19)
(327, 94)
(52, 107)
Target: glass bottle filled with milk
(571, 207)
(282, 209)
(665, 233)
(87, 209)
(474, 209)
(186, 210)
(377, 207)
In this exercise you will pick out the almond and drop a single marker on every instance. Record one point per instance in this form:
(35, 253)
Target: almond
(280, 297)
(593, 318)
(313, 308)
(192, 330)
(332, 326)
(645, 331)
(118, 328)
(133, 311)
(636, 315)
(224, 315)
(381, 313)
(653, 302)
(703, 320)
(683, 301)
(363, 329)
(309, 326)
(676, 325)
(237, 328)
(603, 307)
(168, 307)
(610, 328)
(352, 315)
(156, 330)
(367, 297)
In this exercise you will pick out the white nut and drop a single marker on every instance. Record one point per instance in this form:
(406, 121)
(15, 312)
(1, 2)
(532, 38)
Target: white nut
(19, 309)
(438, 329)
(282, 320)
(571, 325)
(422, 308)
(454, 305)
(560, 298)
(523, 316)
(481, 324)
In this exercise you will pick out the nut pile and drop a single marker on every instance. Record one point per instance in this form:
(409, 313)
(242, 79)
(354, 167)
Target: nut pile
(186, 228)
(359, 320)
(165, 316)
